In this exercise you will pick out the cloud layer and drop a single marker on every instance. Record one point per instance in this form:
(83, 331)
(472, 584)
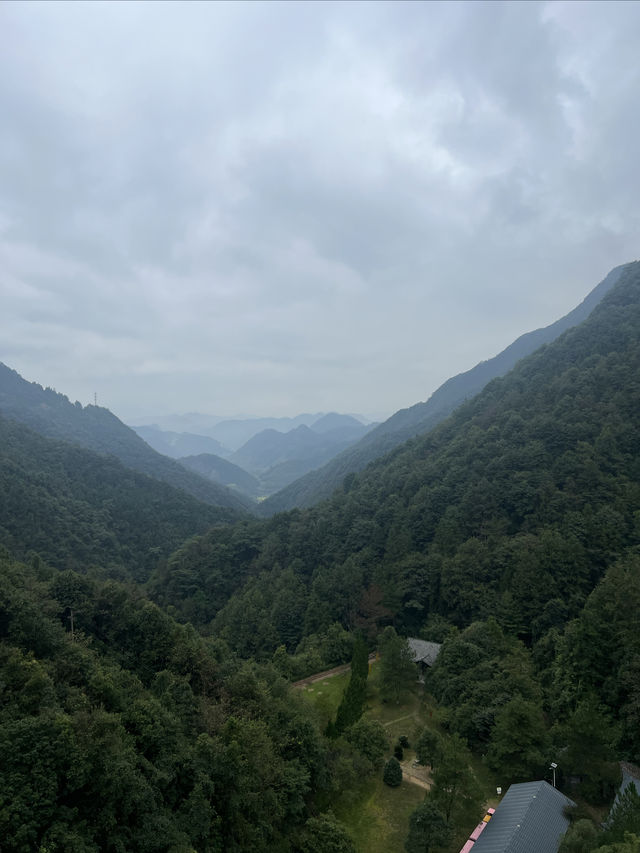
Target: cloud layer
(278, 207)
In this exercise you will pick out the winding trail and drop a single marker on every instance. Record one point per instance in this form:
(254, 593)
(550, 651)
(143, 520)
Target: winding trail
(328, 673)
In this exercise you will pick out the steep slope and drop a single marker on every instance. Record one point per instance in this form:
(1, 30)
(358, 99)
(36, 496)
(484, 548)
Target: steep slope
(514, 507)
(126, 731)
(269, 447)
(52, 415)
(278, 459)
(422, 417)
(77, 508)
(222, 471)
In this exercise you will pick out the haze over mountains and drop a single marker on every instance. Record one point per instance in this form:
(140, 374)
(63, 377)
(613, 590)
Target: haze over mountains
(147, 637)
(422, 417)
(272, 456)
(95, 428)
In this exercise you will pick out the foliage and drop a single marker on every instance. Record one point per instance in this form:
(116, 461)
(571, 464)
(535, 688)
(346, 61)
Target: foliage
(624, 817)
(428, 829)
(581, 837)
(352, 704)
(183, 746)
(631, 844)
(515, 507)
(590, 738)
(519, 742)
(370, 739)
(392, 774)
(96, 429)
(324, 835)
(455, 789)
(428, 747)
(396, 667)
(78, 509)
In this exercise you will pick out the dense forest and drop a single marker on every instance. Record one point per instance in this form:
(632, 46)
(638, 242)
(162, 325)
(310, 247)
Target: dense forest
(149, 640)
(51, 414)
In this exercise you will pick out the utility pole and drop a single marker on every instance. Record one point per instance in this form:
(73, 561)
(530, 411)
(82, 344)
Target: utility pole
(553, 767)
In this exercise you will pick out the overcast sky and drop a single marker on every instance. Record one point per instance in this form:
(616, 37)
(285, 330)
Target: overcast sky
(272, 208)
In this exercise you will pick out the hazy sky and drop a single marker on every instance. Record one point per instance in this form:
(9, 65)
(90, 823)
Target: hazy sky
(271, 208)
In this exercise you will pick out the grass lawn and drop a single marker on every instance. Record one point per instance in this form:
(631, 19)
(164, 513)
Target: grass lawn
(376, 815)
(325, 695)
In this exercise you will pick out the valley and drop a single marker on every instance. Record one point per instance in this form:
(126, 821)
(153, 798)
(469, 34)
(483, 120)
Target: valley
(153, 624)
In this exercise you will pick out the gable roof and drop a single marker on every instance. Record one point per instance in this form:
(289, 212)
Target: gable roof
(530, 819)
(424, 651)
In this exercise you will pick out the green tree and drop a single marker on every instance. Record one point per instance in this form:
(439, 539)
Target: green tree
(581, 837)
(428, 828)
(519, 741)
(352, 703)
(396, 667)
(625, 816)
(455, 788)
(392, 774)
(428, 747)
(590, 739)
(324, 834)
(631, 844)
(370, 739)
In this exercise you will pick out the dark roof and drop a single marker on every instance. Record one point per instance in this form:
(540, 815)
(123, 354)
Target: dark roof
(530, 819)
(423, 651)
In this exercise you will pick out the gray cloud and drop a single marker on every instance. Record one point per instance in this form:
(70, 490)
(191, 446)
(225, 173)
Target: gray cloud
(277, 207)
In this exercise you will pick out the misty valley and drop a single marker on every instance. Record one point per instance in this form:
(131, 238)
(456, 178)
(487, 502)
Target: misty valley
(326, 635)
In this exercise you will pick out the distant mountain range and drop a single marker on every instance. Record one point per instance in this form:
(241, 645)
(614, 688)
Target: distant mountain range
(179, 444)
(270, 459)
(419, 419)
(232, 433)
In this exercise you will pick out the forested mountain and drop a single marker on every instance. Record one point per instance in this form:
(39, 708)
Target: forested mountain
(224, 472)
(95, 428)
(422, 417)
(124, 731)
(76, 508)
(514, 508)
(278, 458)
(510, 533)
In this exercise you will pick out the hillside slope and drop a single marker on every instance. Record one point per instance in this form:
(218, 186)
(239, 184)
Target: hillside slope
(52, 415)
(222, 471)
(76, 508)
(514, 507)
(419, 419)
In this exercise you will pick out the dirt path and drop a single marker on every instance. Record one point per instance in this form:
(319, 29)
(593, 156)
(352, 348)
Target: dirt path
(410, 774)
(400, 719)
(320, 676)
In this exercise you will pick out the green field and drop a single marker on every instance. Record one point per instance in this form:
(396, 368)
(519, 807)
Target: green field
(376, 815)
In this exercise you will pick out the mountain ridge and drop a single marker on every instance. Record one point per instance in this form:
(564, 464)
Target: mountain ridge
(51, 414)
(418, 419)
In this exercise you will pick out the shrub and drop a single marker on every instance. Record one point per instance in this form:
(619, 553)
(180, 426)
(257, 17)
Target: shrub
(392, 773)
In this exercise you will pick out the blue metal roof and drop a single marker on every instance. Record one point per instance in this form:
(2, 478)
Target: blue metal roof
(529, 819)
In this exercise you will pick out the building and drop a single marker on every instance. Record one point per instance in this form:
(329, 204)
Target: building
(424, 653)
(530, 819)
